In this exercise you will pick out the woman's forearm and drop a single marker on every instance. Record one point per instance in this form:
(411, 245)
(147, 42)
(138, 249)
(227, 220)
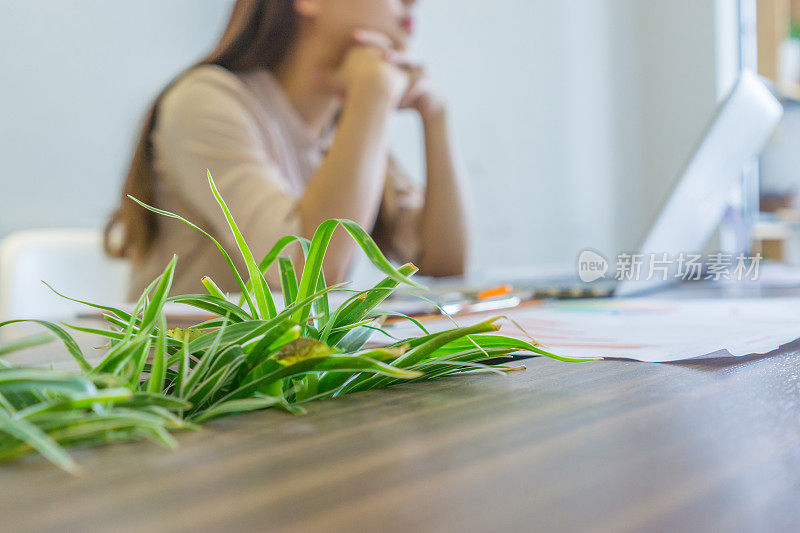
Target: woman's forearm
(350, 181)
(444, 227)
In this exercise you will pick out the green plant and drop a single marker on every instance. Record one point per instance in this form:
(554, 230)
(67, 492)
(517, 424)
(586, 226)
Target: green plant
(251, 356)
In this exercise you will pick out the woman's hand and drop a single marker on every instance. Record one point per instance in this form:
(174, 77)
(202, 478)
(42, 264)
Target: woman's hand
(368, 67)
(420, 94)
(374, 61)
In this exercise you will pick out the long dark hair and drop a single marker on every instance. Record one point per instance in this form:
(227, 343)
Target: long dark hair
(259, 35)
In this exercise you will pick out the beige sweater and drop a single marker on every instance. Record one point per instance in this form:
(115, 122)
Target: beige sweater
(262, 155)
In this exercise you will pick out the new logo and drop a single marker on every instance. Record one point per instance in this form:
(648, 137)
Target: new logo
(591, 266)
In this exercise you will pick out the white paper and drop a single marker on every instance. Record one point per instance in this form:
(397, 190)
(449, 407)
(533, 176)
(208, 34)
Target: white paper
(651, 330)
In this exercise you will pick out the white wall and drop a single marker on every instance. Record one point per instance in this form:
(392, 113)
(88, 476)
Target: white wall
(689, 62)
(532, 98)
(573, 116)
(76, 77)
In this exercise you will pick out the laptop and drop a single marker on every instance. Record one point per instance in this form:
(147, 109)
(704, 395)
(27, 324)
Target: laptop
(737, 133)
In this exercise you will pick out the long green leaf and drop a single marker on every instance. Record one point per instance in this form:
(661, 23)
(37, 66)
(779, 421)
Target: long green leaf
(222, 250)
(212, 288)
(153, 310)
(288, 281)
(118, 312)
(509, 344)
(214, 305)
(79, 401)
(273, 254)
(361, 305)
(158, 369)
(333, 363)
(266, 305)
(235, 407)
(420, 352)
(25, 379)
(66, 338)
(316, 255)
(24, 344)
(38, 440)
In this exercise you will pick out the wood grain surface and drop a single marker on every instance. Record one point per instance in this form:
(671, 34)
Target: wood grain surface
(605, 446)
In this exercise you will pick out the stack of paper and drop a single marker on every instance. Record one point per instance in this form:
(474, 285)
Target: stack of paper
(652, 330)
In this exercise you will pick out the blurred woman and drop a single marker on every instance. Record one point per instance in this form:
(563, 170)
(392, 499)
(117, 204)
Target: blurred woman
(291, 114)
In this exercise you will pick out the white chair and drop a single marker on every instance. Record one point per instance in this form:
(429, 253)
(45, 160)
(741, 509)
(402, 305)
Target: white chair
(72, 261)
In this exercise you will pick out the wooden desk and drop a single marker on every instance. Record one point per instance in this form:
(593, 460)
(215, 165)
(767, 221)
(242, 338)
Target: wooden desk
(606, 446)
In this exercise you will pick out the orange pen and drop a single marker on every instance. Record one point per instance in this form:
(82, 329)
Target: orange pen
(495, 292)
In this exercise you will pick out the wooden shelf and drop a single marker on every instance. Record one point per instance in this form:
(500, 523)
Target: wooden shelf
(774, 18)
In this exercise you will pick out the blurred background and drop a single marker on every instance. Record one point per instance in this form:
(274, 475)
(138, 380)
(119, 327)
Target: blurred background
(573, 117)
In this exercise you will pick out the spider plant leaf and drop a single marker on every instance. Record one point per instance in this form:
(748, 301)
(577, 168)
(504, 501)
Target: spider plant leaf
(333, 363)
(46, 380)
(484, 341)
(7, 405)
(288, 335)
(121, 354)
(38, 440)
(111, 319)
(510, 344)
(358, 307)
(214, 323)
(72, 346)
(387, 313)
(457, 362)
(361, 305)
(374, 253)
(160, 436)
(25, 343)
(235, 407)
(246, 331)
(212, 288)
(279, 247)
(273, 339)
(188, 335)
(313, 265)
(160, 295)
(239, 333)
(316, 254)
(321, 306)
(183, 369)
(199, 372)
(134, 325)
(416, 354)
(214, 305)
(146, 399)
(290, 350)
(158, 368)
(355, 339)
(117, 335)
(225, 254)
(330, 381)
(448, 368)
(118, 312)
(203, 391)
(273, 254)
(288, 281)
(229, 356)
(419, 352)
(109, 334)
(266, 305)
(266, 348)
(134, 367)
(301, 349)
(78, 401)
